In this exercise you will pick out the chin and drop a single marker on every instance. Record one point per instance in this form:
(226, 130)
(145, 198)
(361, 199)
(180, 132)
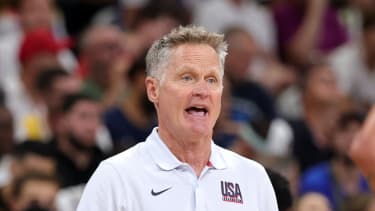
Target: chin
(200, 130)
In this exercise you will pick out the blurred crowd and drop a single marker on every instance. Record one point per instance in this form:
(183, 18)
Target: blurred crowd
(299, 80)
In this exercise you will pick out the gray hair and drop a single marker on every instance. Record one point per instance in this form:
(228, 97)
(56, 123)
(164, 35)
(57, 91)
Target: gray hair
(159, 53)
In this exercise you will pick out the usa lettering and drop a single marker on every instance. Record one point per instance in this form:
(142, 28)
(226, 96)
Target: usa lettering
(231, 192)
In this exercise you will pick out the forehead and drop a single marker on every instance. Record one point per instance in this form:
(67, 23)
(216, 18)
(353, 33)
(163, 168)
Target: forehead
(194, 55)
(29, 4)
(84, 105)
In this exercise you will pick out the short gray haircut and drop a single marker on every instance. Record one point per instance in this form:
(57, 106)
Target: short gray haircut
(158, 55)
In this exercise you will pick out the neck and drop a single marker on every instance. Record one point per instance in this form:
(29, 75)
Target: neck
(193, 150)
(79, 157)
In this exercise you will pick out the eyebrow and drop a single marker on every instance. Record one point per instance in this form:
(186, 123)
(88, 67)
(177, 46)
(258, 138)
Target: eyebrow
(188, 67)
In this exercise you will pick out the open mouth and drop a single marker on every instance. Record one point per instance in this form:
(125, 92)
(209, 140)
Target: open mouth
(197, 111)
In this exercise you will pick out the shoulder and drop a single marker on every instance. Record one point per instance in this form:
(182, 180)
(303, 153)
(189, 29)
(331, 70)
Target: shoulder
(127, 160)
(236, 162)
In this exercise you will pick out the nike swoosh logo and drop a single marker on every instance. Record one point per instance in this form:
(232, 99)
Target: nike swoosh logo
(160, 192)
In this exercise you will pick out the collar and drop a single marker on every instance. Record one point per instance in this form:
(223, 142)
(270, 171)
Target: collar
(167, 161)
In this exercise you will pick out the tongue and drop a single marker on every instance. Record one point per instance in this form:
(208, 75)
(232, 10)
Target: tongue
(196, 112)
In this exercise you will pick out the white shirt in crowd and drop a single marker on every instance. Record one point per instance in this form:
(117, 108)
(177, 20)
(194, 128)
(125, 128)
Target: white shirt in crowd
(218, 15)
(353, 75)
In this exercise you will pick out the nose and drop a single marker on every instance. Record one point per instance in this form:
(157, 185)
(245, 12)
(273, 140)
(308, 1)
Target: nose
(201, 89)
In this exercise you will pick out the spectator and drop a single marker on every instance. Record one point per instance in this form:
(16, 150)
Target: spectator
(54, 84)
(306, 30)
(154, 19)
(78, 13)
(34, 156)
(249, 15)
(103, 63)
(227, 132)
(312, 134)
(29, 156)
(337, 179)
(34, 191)
(159, 13)
(29, 15)
(313, 201)
(38, 53)
(253, 103)
(354, 65)
(131, 122)
(75, 148)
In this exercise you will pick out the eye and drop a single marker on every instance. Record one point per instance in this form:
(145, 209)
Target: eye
(212, 80)
(186, 78)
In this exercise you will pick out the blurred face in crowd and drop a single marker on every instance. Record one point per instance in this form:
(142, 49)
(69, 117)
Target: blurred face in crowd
(62, 87)
(103, 46)
(36, 13)
(33, 67)
(313, 202)
(321, 86)
(38, 193)
(188, 96)
(6, 130)
(241, 50)
(82, 122)
(156, 28)
(33, 162)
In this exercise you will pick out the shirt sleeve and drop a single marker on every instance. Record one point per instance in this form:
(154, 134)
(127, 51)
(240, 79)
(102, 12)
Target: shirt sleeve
(104, 191)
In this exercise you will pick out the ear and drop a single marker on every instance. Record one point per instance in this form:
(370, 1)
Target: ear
(152, 88)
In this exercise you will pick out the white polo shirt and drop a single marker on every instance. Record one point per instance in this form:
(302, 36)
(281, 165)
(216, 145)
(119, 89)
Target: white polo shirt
(149, 177)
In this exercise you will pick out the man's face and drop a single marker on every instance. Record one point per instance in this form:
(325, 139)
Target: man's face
(83, 121)
(104, 49)
(38, 64)
(188, 97)
(33, 162)
(62, 87)
(42, 193)
(241, 52)
(322, 86)
(36, 13)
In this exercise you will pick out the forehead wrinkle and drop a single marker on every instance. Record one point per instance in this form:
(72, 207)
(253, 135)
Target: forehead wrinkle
(191, 60)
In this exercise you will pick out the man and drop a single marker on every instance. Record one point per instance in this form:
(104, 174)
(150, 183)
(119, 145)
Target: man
(38, 53)
(34, 191)
(338, 179)
(354, 65)
(312, 133)
(54, 84)
(103, 62)
(28, 156)
(179, 167)
(76, 152)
